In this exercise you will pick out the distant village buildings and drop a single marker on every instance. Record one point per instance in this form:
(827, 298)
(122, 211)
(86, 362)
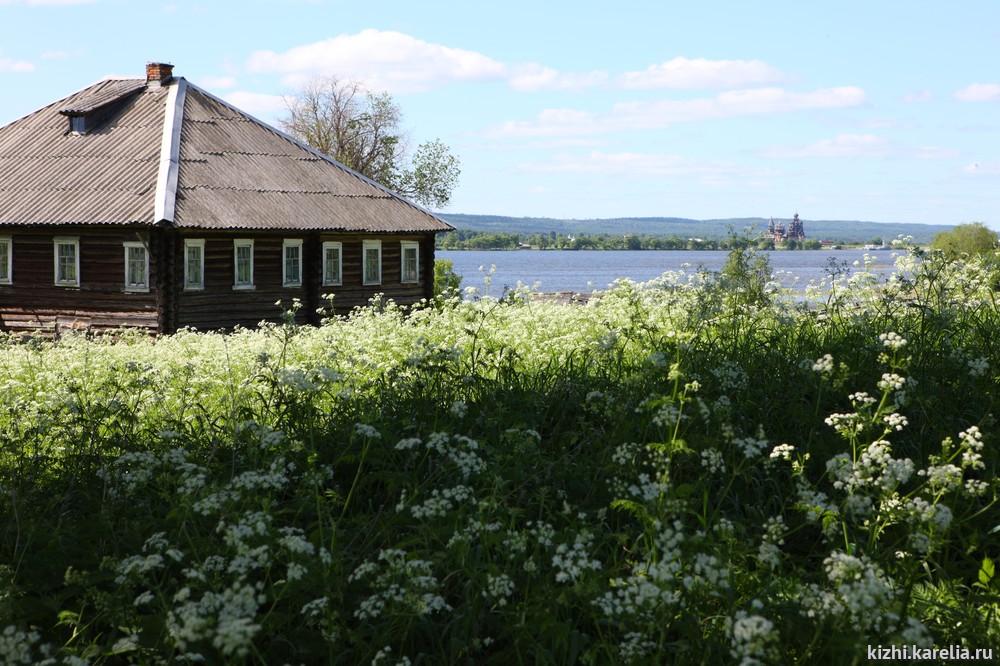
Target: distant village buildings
(779, 234)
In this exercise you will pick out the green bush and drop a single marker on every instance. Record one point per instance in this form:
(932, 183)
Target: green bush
(446, 281)
(966, 240)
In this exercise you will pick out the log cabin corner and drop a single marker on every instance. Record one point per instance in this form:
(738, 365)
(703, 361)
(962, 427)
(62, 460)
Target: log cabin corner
(150, 203)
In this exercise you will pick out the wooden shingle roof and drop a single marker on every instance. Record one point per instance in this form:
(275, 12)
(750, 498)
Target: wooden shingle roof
(175, 154)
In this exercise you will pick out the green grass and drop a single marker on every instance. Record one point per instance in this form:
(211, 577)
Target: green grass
(701, 469)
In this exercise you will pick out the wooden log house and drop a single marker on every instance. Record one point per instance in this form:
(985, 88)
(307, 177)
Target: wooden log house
(150, 203)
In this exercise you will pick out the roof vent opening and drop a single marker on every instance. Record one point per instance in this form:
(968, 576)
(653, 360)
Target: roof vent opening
(158, 73)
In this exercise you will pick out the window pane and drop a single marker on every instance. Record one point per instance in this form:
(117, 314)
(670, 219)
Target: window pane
(409, 264)
(244, 259)
(67, 262)
(372, 265)
(4, 260)
(192, 277)
(135, 275)
(331, 274)
(292, 264)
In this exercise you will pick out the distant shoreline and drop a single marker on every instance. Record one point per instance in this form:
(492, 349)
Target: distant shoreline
(824, 248)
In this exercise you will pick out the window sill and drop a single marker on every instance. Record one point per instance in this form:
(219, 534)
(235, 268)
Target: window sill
(244, 287)
(136, 290)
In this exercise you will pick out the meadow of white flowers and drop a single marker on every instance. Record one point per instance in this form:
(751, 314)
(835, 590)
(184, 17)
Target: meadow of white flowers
(703, 468)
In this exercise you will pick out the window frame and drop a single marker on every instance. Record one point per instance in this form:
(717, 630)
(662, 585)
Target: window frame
(365, 247)
(403, 247)
(7, 276)
(137, 287)
(198, 243)
(74, 242)
(237, 244)
(285, 245)
(339, 279)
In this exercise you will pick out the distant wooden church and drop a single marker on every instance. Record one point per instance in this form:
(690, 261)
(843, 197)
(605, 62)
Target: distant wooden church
(779, 234)
(150, 203)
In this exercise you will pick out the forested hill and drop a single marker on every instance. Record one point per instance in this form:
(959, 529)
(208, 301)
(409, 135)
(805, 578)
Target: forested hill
(837, 231)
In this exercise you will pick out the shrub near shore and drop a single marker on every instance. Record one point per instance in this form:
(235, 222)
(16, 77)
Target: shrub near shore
(698, 469)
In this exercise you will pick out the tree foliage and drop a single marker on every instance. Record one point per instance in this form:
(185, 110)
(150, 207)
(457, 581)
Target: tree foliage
(966, 239)
(446, 280)
(361, 129)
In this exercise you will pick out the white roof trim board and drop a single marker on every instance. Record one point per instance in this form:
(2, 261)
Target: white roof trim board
(166, 179)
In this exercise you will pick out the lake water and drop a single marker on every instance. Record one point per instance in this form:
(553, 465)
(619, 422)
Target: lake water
(585, 271)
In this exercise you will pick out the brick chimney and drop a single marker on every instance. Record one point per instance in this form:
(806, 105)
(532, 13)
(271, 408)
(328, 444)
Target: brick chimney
(158, 73)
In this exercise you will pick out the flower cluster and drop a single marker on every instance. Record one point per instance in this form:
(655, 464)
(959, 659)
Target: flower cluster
(399, 585)
(571, 560)
(753, 639)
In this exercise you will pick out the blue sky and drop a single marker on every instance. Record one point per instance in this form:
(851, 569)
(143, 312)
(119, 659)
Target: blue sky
(876, 110)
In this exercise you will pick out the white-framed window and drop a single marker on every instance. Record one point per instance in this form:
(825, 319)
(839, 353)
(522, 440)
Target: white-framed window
(371, 262)
(332, 269)
(6, 259)
(291, 255)
(243, 263)
(66, 253)
(78, 124)
(136, 266)
(194, 264)
(409, 259)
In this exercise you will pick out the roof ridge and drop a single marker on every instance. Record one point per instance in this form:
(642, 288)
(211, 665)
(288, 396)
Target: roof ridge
(170, 148)
(286, 191)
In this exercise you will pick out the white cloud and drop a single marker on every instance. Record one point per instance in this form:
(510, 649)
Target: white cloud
(631, 163)
(918, 97)
(400, 63)
(684, 73)
(40, 3)
(257, 104)
(935, 153)
(844, 145)
(11, 65)
(859, 145)
(541, 144)
(979, 92)
(531, 77)
(211, 83)
(384, 60)
(633, 116)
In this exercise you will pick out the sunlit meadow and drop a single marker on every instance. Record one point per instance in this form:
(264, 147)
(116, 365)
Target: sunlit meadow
(706, 468)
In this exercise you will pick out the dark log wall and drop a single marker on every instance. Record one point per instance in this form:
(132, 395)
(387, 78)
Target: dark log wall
(220, 306)
(34, 303)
